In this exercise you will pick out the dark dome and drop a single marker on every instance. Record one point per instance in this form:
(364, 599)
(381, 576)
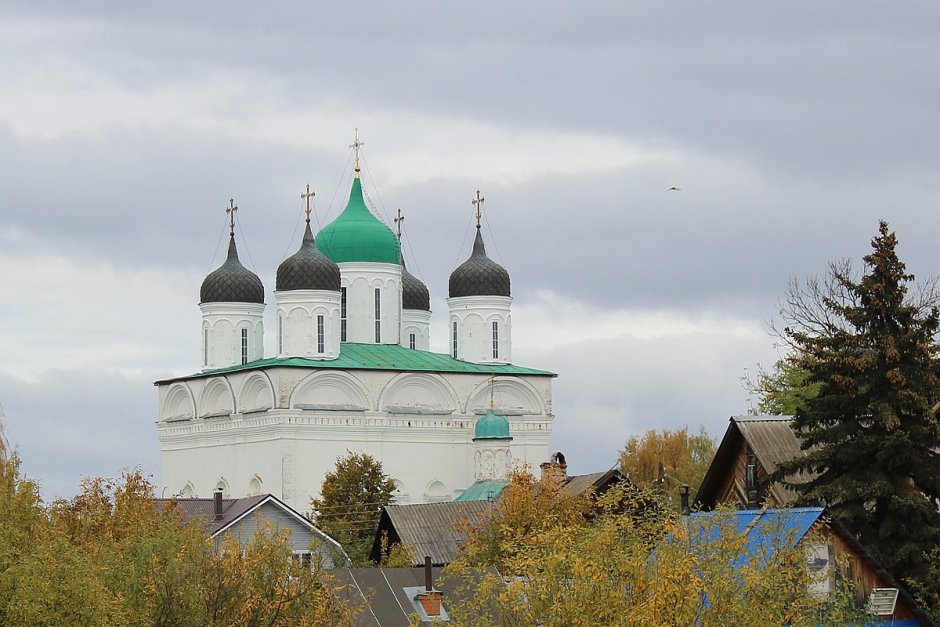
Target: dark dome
(479, 275)
(232, 282)
(308, 269)
(414, 293)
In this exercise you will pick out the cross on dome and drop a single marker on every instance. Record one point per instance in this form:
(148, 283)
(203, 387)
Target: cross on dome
(307, 195)
(478, 203)
(356, 145)
(230, 210)
(398, 220)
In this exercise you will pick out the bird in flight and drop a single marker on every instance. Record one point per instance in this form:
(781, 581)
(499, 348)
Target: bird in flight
(673, 189)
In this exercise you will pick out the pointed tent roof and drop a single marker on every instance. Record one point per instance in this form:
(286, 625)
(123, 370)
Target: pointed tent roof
(479, 275)
(232, 282)
(357, 235)
(308, 268)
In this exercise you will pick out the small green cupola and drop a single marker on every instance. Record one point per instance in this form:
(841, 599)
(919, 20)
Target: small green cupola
(492, 426)
(357, 235)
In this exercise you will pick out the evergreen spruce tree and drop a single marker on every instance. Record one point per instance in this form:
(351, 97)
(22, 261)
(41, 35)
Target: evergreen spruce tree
(870, 435)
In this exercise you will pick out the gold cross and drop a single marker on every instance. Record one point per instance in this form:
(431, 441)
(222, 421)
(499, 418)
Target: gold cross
(307, 196)
(398, 222)
(478, 203)
(230, 210)
(356, 145)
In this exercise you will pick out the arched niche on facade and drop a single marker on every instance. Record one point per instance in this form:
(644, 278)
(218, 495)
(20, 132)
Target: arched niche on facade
(330, 391)
(178, 404)
(222, 484)
(436, 491)
(216, 399)
(256, 393)
(188, 491)
(418, 393)
(255, 486)
(511, 397)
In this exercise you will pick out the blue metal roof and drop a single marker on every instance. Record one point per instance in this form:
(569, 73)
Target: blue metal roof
(766, 531)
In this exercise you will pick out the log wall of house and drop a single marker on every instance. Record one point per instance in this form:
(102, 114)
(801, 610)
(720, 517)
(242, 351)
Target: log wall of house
(734, 488)
(853, 567)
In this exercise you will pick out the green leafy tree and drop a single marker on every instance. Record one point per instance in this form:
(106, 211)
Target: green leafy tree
(782, 390)
(351, 500)
(684, 457)
(869, 433)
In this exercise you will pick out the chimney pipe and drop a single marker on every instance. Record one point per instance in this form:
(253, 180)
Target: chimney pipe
(684, 508)
(217, 501)
(428, 576)
(430, 599)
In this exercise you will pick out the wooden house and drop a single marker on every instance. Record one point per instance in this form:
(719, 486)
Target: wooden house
(751, 449)
(831, 551)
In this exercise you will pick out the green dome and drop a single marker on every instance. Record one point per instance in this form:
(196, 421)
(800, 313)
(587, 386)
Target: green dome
(492, 426)
(357, 235)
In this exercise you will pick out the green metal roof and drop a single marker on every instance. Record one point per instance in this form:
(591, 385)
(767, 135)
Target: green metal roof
(376, 357)
(357, 235)
(492, 426)
(482, 491)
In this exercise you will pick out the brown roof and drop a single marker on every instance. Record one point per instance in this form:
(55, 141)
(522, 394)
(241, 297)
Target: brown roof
(773, 442)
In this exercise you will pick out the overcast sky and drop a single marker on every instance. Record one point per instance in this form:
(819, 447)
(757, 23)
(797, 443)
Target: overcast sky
(791, 128)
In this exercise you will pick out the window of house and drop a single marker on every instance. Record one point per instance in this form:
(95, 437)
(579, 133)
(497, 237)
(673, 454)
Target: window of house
(495, 339)
(280, 335)
(378, 315)
(205, 347)
(454, 340)
(342, 314)
(411, 341)
(244, 346)
(304, 557)
(320, 335)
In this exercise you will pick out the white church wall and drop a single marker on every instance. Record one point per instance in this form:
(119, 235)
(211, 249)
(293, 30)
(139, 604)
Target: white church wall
(221, 333)
(361, 280)
(420, 425)
(417, 322)
(298, 330)
(474, 317)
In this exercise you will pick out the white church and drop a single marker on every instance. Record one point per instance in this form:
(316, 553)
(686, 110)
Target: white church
(351, 371)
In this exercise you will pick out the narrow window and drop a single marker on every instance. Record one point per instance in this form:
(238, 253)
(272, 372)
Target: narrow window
(244, 346)
(320, 335)
(205, 347)
(378, 315)
(280, 335)
(411, 341)
(342, 314)
(495, 339)
(454, 341)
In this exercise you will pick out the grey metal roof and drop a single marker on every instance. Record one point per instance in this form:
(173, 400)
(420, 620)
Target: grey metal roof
(308, 268)
(204, 510)
(414, 293)
(231, 282)
(433, 528)
(479, 275)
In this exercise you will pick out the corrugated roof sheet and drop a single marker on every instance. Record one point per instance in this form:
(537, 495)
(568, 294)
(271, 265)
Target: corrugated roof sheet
(433, 528)
(376, 357)
(766, 530)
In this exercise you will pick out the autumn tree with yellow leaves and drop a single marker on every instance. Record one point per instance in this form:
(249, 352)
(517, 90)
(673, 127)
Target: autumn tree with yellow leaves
(625, 560)
(110, 556)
